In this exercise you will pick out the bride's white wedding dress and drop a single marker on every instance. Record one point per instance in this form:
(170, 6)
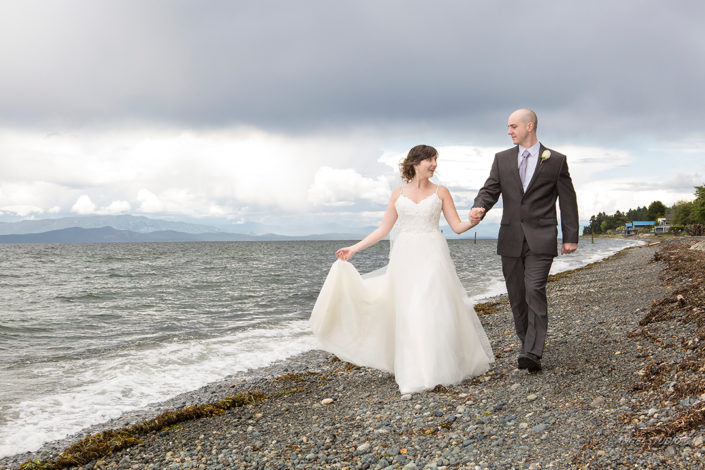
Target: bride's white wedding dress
(413, 317)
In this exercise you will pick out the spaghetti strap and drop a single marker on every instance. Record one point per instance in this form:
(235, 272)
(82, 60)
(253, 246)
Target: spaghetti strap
(437, 188)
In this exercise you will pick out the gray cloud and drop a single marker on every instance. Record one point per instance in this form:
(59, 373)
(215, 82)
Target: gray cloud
(682, 182)
(602, 68)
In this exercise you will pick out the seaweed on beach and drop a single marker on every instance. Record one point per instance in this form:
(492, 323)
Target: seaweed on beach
(440, 389)
(653, 376)
(488, 308)
(108, 442)
(685, 272)
(690, 419)
(644, 332)
(692, 388)
(297, 377)
(346, 366)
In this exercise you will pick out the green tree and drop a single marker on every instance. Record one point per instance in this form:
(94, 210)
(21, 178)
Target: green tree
(599, 219)
(689, 212)
(620, 219)
(591, 227)
(640, 213)
(656, 209)
(681, 213)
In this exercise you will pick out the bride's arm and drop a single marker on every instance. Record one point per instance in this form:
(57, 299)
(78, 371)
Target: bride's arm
(390, 217)
(451, 213)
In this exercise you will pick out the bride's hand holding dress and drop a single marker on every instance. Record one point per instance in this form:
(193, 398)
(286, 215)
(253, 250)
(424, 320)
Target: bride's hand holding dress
(344, 253)
(388, 221)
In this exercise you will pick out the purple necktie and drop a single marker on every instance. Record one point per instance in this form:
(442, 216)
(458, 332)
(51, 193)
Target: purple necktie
(522, 167)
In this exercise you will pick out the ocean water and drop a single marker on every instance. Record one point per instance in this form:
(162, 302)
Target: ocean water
(90, 331)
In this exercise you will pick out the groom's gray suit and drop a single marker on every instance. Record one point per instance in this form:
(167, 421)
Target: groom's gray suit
(528, 234)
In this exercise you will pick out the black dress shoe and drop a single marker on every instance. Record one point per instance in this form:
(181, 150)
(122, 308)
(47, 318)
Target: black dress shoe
(530, 362)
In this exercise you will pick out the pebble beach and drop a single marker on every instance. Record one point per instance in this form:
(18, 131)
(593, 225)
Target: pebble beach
(597, 403)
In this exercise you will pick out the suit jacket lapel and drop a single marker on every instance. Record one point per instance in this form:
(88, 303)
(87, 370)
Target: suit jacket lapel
(515, 168)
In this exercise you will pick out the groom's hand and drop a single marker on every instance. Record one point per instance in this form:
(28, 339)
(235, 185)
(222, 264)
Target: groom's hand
(476, 214)
(568, 248)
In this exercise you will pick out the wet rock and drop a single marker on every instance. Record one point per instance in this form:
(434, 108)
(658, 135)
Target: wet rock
(364, 447)
(539, 428)
(597, 402)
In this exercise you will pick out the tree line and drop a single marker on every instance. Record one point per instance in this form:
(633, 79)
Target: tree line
(681, 213)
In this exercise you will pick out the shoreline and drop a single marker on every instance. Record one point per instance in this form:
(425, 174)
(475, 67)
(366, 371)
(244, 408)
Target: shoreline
(212, 390)
(318, 364)
(208, 393)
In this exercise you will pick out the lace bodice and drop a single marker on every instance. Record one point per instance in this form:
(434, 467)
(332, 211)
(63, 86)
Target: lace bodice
(421, 217)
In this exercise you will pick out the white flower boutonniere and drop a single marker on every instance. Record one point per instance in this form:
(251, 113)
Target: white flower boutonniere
(545, 155)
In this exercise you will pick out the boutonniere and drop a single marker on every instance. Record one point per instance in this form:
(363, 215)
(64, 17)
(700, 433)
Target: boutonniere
(545, 155)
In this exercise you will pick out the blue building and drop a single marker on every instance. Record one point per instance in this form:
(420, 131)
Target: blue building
(630, 228)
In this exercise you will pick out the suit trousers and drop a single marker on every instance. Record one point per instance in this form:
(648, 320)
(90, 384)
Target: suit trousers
(526, 277)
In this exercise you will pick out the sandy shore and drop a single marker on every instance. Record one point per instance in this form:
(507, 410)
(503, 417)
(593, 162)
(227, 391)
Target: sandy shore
(590, 407)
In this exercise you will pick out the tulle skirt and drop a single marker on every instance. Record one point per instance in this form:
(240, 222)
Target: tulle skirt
(412, 318)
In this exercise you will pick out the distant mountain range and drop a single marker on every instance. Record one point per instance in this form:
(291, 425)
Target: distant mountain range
(120, 222)
(132, 229)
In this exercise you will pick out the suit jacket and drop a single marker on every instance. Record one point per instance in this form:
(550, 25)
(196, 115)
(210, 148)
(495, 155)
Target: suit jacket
(531, 214)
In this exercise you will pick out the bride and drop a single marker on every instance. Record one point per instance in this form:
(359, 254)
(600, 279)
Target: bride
(413, 317)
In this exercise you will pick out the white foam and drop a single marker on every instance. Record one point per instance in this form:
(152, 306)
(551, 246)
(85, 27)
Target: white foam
(94, 390)
(495, 287)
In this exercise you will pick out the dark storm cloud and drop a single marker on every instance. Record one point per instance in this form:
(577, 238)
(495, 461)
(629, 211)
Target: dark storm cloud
(300, 66)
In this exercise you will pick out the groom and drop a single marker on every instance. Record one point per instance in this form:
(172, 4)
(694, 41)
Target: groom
(529, 177)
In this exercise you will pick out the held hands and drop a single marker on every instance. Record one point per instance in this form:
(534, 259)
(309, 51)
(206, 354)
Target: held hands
(476, 214)
(567, 248)
(345, 253)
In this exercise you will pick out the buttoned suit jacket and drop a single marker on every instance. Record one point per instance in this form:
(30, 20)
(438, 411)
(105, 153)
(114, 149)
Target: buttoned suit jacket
(531, 214)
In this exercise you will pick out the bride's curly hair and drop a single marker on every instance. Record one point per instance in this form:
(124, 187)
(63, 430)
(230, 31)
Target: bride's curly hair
(416, 155)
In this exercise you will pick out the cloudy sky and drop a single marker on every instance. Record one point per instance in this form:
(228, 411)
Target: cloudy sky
(292, 116)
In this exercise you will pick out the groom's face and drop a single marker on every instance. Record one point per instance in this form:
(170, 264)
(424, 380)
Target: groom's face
(518, 130)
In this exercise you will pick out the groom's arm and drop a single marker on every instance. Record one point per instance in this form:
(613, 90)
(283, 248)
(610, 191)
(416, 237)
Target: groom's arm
(568, 203)
(490, 192)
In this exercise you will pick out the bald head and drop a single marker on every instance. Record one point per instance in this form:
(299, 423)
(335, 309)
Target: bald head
(525, 116)
(522, 127)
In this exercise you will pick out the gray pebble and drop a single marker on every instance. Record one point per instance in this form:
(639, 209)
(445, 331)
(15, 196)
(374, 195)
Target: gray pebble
(539, 428)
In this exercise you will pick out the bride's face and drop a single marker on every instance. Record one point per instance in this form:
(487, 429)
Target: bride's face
(426, 168)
